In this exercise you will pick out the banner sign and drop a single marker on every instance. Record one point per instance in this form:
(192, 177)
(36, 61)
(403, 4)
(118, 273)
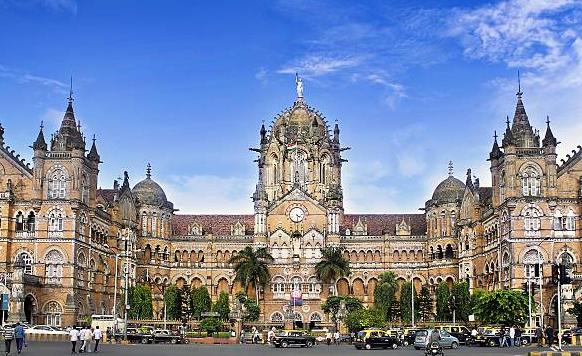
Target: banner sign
(296, 298)
(5, 301)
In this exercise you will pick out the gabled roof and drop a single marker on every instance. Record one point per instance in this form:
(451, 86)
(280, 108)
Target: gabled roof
(379, 224)
(107, 194)
(215, 224)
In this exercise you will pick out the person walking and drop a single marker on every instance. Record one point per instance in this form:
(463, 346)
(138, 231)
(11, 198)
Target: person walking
(336, 337)
(540, 336)
(19, 337)
(8, 337)
(550, 335)
(74, 337)
(511, 336)
(502, 337)
(97, 335)
(88, 339)
(518, 336)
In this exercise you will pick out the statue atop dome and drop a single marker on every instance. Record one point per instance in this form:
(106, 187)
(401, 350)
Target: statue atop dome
(299, 86)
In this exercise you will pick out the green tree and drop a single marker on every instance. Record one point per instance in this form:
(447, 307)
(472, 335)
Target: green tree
(502, 307)
(200, 301)
(385, 294)
(211, 325)
(333, 265)
(172, 302)
(425, 306)
(443, 313)
(332, 305)
(251, 309)
(463, 307)
(252, 267)
(406, 304)
(577, 312)
(222, 306)
(360, 319)
(140, 301)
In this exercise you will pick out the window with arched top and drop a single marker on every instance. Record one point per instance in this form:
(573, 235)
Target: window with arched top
(315, 317)
(532, 221)
(55, 221)
(296, 283)
(314, 286)
(323, 169)
(532, 260)
(53, 311)
(57, 184)
(54, 261)
(278, 285)
(144, 224)
(154, 225)
(530, 181)
(443, 224)
(276, 317)
(19, 221)
(84, 189)
(299, 159)
(26, 259)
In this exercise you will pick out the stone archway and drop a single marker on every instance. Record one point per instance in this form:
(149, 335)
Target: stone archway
(29, 308)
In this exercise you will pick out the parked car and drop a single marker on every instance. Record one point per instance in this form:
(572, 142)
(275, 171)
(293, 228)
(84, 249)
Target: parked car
(166, 336)
(135, 336)
(288, 338)
(408, 335)
(375, 338)
(45, 329)
(460, 332)
(446, 341)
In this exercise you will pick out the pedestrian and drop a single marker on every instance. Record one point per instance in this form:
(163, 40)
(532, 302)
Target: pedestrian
(98, 335)
(517, 336)
(19, 337)
(74, 337)
(336, 337)
(108, 334)
(511, 336)
(328, 337)
(550, 335)
(8, 337)
(502, 339)
(87, 336)
(540, 336)
(271, 335)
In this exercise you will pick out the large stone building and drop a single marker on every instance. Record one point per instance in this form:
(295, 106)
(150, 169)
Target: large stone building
(63, 241)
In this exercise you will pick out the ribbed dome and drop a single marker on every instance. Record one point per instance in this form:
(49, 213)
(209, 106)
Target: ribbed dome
(448, 191)
(149, 192)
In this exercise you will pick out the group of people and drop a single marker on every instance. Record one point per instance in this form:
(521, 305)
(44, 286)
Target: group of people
(509, 337)
(84, 337)
(332, 338)
(546, 334)
(14, 334)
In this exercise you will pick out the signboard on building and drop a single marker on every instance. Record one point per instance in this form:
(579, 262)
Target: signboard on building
(5, 301)
(296, 297)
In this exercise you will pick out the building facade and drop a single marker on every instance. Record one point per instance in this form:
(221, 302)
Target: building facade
(67, 246)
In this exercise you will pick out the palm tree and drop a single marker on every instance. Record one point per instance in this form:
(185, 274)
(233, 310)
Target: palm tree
(333, 265)
(251, 267)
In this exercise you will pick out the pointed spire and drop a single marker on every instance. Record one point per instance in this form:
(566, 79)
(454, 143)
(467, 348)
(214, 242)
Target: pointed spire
(149, 171)
(263, 133)
(336, 132)
(40, 143)
(469, 180)
(519, 92)
(495, 151)
(93, 155)
(125, 185)
(549, 139)
(451, 168)
(71, 92)
(507, 136)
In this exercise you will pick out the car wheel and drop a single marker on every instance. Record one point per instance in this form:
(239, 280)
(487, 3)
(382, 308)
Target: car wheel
(309, 343)
(394, 346)
(491, 343)
(284, 344)
(454, 345)
(368, 347)
(144, 341)
(173, 341)
(405, 343)
(524, 342)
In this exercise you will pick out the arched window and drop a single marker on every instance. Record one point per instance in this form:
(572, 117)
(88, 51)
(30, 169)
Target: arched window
(19, 221)
(323, 169)
(296, 283)
(570, 221)
(299, 167)
(85, 189)
(57, 185)
(26, 259)
(144, 224)
(530, 182)
(314, 286)
(54, 267)
(449, 253)
(56, 221)
(315, 317)
(532, 221)
(439, 252)
(532, 261)
(277, 317)
(278, 285)
(154, 225)
(443, 224)
(30, 222)
(53, 311)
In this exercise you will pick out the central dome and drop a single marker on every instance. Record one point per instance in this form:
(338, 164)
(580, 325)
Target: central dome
(448, 191)
(300, 115)
(149, 192)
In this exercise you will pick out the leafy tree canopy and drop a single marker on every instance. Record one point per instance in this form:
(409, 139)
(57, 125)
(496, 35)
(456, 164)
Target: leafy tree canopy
(332, 305)
(364, 318)
(506, 307)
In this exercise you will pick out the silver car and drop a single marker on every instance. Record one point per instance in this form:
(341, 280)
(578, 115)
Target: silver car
(446, 341)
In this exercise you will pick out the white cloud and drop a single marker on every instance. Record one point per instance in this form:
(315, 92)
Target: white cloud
(24, 77)
(318, 65)
(54, 5)
(209, 194)
(261, 75)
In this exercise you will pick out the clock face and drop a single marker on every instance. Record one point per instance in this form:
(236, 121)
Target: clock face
(296, 214)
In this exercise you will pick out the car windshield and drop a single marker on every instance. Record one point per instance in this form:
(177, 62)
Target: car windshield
(422, 333)
(361, 335)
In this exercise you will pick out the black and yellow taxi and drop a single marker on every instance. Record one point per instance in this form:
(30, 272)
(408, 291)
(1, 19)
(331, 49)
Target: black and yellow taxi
(375, 339)
(288, 338)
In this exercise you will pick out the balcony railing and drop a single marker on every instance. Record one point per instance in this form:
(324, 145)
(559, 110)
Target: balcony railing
(25, 233)
(55, 234)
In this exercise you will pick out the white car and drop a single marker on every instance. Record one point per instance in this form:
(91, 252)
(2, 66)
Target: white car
(45, 329)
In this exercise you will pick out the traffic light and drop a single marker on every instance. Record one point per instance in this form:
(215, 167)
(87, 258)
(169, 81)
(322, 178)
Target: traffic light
(555, 274)
(564, 276)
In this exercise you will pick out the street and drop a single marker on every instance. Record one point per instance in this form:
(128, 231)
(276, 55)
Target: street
(59, 349)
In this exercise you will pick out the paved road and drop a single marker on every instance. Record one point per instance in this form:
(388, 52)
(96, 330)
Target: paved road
(60, 349)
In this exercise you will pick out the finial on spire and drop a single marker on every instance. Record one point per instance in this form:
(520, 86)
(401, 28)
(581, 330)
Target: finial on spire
(94, 138)
(299, 86)
(41, 125)
(548, 120)
(495, 135)
(450, 168)
(507, 120)
(71, 91)
(519, 92)
(149, 171)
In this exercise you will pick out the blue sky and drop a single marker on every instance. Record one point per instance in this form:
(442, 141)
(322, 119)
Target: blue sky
(185, 85)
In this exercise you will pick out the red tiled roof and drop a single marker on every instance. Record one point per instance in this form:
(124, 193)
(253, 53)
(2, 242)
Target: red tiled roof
(378, 224)
(107, 194)
(217, 224)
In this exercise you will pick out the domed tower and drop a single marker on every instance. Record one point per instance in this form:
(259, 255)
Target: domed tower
(442, 212)
(299, 154)
(153, 207)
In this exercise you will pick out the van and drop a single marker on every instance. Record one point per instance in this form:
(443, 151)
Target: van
(460, 332)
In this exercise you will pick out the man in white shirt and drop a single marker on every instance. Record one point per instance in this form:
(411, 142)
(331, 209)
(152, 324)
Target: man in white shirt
(74, 334)
(88, 335)
(97, 334)
(512, 336)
